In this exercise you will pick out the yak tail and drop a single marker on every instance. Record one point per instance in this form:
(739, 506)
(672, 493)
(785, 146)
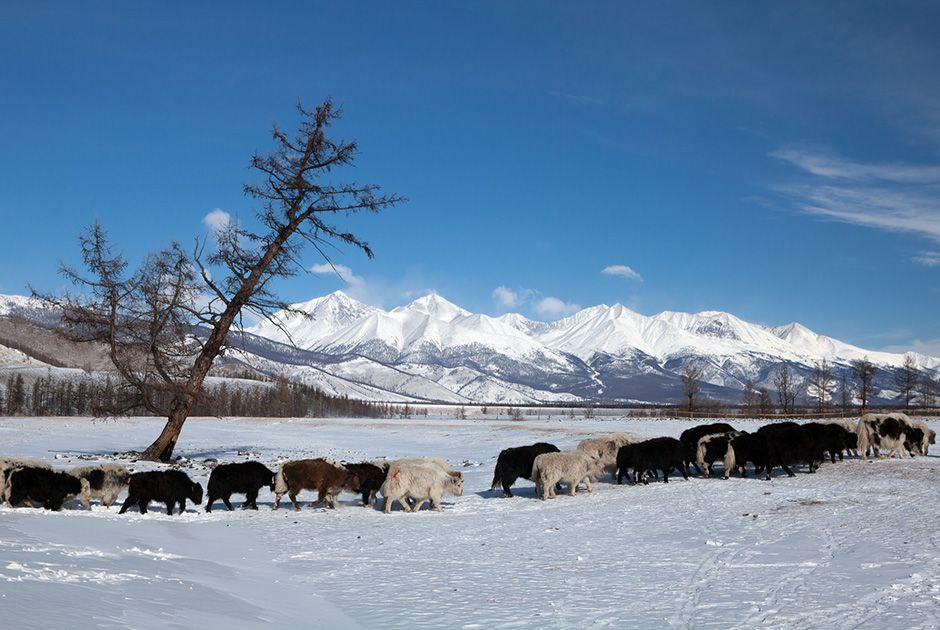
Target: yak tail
(863, 438)
(730, 460)
(700, 456)
(497, 476)
(280, 483)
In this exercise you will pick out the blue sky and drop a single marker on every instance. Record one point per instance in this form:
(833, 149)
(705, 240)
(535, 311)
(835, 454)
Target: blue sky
(778, 162)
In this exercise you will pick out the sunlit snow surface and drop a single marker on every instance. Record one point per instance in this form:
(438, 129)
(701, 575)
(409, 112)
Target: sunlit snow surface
(854, 545)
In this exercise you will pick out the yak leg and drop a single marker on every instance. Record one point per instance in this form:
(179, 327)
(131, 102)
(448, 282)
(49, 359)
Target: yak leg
(129, 501)
(507, 485)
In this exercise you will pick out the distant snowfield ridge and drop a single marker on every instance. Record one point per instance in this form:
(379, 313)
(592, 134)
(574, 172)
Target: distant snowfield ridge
(599, 353)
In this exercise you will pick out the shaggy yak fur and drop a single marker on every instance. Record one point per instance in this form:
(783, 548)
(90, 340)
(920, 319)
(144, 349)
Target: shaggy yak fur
(165, 486)
(516, 462)
(891, 431)
(48, 488)
(8, 465)
(712, 448)
(662, 453)
(751, 447)
(371, 477)
(422, 479)
(243, 478)
(606, 447)
(325, 476)
(105, 483)
(831, 437)
(567, 467)
(690, 438)
(789, 443)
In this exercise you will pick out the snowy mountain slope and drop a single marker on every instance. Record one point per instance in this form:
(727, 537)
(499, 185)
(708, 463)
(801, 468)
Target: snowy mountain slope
(314, 319)
(607, 352)
(434, 350)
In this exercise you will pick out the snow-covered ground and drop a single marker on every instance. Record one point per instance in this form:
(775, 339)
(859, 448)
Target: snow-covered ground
(855, 545)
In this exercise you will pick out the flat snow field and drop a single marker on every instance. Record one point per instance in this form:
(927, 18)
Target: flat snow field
(854, 545)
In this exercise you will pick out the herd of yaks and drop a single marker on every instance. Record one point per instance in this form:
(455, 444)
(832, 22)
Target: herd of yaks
(414, 481)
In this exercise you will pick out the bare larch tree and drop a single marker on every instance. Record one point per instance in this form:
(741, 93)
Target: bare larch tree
(905, 379)
(691, 375)
(821, 384)
(864, 371)
(786, 388)
(845, 393)
(926, 391)
(749, 396)
(166, 324)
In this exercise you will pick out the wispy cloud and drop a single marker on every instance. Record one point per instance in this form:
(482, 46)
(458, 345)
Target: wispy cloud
(624, 271)
(580, 99)
(834, 167)
(900, 198)
(927, 259)
(929, 347)
(554, 308)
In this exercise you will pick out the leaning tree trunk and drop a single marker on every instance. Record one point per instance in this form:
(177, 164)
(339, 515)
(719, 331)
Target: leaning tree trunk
(162, 447)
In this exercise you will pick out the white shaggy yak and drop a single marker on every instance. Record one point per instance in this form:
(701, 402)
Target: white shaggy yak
(8, 465)
(422, 479)
(434, 461)
(716, 442)
(105, 483)
(606, 448)
(872, 436)
(567, 467)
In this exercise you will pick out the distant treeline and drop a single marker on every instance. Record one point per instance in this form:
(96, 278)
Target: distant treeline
(49, 396)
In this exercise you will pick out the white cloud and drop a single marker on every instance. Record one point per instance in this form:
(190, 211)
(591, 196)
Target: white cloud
(553, 307)
(345, 273)
(623, 271)
(217, 220)
(927, 259)
(506, 297)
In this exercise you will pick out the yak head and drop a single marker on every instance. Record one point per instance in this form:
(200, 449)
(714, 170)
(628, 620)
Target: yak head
(456, 483)
(195, 493)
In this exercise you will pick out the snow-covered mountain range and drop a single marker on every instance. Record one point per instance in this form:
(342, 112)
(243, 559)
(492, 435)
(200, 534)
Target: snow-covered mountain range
(599, 353)
(433, 350)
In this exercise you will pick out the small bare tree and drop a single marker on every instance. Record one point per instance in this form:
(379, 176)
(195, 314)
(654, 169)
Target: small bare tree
(691, 375)
(926, 391)
(786, 388)
(749, 397)
(905, 379)
(864, 371)
(764, 403)
(821, 384)
(165, 324)
(845, 393)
